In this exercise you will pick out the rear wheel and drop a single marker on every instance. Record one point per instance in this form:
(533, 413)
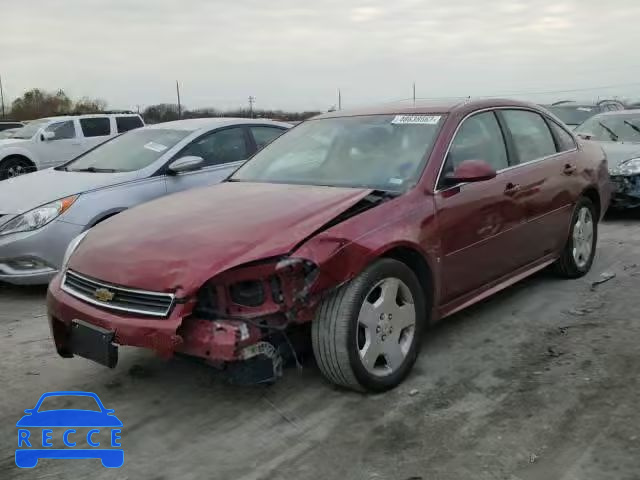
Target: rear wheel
(12, 167)
(366, 335)
(580, 249)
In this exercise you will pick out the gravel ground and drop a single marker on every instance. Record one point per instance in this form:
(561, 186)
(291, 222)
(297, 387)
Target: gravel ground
(539, 382)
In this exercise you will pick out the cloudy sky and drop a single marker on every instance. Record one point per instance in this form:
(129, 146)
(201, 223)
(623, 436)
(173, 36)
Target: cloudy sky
(294, 54)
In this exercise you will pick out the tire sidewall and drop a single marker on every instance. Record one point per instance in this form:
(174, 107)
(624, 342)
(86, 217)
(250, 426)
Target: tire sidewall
(385, 268)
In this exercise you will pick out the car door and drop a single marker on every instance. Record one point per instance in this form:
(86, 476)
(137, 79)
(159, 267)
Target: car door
(64, 145)
(95, 130)
(480, 223)
(222, 150)
(546, 158)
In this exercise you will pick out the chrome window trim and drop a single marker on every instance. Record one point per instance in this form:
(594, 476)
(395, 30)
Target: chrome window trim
(93, 301)
(493, 109)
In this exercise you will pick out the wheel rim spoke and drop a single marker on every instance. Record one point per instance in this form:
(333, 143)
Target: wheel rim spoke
(393, 355)
(370, 353)
(389, 292)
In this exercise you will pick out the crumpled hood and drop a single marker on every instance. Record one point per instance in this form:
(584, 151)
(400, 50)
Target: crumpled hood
(619, 152)
(180, 241)
(26, 192)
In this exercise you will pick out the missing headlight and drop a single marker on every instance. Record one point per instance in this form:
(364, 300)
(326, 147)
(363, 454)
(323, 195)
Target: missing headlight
(249, 293)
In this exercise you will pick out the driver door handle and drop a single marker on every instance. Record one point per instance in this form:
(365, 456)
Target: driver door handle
(569, 169)
(511, 188)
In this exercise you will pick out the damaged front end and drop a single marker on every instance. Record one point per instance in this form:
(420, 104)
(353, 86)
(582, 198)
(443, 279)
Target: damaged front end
(244, 318)
(625, 178)
(626, 191)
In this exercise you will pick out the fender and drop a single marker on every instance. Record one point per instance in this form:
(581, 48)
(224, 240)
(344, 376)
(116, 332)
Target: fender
(18, 149)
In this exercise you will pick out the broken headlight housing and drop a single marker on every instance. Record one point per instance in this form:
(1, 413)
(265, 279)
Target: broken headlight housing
(628, 167)
(260, 288)
(248, 293)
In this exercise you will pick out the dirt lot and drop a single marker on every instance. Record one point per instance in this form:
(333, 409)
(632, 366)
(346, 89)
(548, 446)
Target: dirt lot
(540, 382)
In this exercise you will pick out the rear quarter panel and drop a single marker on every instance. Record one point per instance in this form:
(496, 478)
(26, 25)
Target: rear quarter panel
(594, 171)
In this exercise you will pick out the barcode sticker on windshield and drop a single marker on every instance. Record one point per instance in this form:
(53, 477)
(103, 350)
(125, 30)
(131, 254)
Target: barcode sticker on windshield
(156, 147)
(416, 119)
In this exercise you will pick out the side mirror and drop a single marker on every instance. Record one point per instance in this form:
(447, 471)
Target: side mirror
(190, 163)
(47, 135)
(471, 171)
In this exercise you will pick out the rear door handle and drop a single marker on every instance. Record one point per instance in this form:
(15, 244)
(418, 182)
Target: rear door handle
(569, 169)
(511, 188)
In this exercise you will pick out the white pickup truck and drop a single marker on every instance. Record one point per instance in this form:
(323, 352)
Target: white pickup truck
(49, 142)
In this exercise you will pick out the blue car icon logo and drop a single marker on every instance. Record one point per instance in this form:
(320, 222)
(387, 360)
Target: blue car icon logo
(42, 431)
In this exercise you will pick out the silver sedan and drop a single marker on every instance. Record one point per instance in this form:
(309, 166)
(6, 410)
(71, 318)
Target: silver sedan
(42, 212)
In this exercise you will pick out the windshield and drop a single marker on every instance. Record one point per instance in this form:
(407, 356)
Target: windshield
(573, 115)
(385, 152)
(69, 402)
(128, 152)
(612, 128)
(30, 129)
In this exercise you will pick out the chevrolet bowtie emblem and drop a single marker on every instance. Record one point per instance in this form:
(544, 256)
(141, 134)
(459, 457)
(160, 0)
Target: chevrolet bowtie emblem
(103, 295)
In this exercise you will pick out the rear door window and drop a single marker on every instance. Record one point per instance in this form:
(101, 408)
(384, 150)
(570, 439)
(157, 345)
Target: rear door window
(265, 135)
(95, 127)
(531, 135)
(564, 140)
(125, 124)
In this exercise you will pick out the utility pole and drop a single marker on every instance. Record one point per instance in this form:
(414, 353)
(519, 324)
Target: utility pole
(339, 100)
(2, 96)
(179, 104)
(252, 100)
(414, 93)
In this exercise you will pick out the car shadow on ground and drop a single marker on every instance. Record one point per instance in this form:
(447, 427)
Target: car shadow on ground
(622, 216)
(23, 292)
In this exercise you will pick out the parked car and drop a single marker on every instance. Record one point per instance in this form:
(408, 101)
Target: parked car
(574, 113)
(367, 224)
(618, 133)
(41, 213)
(8, 133)
(49, 142)
(4, 125)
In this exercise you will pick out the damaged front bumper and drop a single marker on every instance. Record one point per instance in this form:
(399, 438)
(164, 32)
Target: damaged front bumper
(238, 316)
(626, 191)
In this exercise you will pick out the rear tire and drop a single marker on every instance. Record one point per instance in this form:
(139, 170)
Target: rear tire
(15, 166)
(366, 335)
(580, 248)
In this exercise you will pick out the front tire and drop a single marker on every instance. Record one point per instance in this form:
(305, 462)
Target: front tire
(366, 335)
(580, 248)
(12, 167)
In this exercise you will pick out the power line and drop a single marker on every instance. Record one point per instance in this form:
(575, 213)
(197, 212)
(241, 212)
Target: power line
(523, 92)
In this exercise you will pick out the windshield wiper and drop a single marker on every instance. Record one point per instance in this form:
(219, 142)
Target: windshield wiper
(635, 127)
(94, 170)
(611, 133)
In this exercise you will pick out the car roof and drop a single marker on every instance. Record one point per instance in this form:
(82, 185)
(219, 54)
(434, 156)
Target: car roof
(429, 107)
(617, 113)
(194, 124)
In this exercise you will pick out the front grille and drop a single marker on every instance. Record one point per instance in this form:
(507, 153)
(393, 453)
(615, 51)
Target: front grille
(117, 298)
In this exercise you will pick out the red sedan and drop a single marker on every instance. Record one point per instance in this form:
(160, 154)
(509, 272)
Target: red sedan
(369, 224)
